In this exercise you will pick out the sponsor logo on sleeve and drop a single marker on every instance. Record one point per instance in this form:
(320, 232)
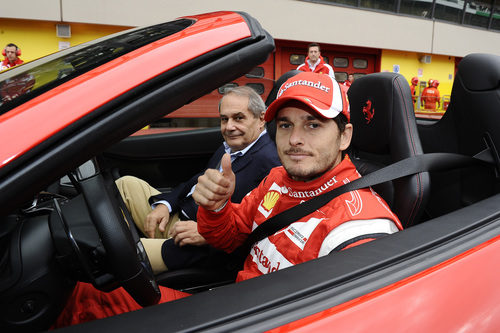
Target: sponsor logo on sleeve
(300, 232)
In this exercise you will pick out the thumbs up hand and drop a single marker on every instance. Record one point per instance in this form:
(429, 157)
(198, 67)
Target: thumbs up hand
(214, 188)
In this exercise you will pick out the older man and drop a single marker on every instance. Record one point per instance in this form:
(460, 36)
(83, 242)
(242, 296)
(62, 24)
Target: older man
(253, 155)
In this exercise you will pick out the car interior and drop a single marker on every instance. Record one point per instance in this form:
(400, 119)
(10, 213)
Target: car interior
(469, 127)
(386, 132)
(387, 135)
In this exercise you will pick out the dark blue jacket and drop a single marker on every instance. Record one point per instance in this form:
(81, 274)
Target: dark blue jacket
(249, 170)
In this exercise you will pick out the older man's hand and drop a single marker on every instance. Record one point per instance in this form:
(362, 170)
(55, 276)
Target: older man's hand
(186, 233)
(158, 217)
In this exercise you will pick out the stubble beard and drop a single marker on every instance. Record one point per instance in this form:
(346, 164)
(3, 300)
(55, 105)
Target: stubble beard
(298, 173)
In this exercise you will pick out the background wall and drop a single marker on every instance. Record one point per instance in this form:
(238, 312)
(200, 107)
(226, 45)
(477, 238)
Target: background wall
(38, 38)
(402, 39)
(408, 64)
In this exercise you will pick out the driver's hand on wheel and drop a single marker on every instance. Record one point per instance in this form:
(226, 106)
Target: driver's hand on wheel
(186, 233)
(158, 217)
(214, 188)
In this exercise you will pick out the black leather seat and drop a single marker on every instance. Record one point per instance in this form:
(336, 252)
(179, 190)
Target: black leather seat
(470, 125)
(389, 136)
(385, 132)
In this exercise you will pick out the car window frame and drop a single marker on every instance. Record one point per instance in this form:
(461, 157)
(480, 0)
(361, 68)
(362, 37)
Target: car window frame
(122, 116)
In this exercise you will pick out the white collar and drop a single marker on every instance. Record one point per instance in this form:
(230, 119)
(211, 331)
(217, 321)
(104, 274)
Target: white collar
(242, 152)
(313, 66)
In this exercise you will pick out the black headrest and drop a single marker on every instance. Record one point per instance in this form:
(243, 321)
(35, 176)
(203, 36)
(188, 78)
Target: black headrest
(384, 132)
(272, 95)
(469, 126)
(271, 126)
(480, 71)
(474, 110)
(382, 116)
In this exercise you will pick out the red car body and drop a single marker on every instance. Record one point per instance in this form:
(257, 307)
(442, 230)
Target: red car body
(439, 275)
(421, 302)
(93, 90)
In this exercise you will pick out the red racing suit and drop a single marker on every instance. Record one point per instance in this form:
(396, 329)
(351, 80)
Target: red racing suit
(413, 96)
(7, 64)
(430, 96)
(319, 67)
(348, 220)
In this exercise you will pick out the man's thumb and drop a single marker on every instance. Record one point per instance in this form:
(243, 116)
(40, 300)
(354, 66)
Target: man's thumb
(226, 165)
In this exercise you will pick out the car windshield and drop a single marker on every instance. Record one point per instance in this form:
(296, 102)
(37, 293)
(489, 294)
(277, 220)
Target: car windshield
(30, 80)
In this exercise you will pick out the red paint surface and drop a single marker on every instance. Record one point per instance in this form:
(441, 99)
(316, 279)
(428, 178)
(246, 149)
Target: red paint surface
(30, 124)
(459, 295)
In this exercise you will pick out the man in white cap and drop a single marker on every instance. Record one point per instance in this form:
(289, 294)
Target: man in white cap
(313, 131)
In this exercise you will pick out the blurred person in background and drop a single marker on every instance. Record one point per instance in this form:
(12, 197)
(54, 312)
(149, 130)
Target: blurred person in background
(11, 52)
(315, 63)
(430, 96)
(413, 87)
(349, 81)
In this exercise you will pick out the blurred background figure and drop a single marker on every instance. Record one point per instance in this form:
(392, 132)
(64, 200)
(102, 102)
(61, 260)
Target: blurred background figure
(315, 63)
(430, 96)
(413, 86)
(349, 81)
(11, 53)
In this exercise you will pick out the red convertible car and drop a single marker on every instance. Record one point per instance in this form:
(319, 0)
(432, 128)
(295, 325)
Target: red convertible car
(66, 125)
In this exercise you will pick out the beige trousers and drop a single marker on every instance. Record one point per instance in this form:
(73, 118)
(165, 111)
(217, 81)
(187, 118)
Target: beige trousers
(135, 193)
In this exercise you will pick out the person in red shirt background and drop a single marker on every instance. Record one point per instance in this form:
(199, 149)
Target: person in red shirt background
(11, 52)
(349, 81)
(430, 96)
(315, 62)
(413, 86)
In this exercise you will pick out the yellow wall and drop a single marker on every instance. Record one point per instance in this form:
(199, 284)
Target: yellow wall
(441, 68)
(38, 38)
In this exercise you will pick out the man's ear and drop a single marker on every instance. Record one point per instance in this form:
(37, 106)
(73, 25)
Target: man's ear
(262, 114)
(261, 119)
(345, 137)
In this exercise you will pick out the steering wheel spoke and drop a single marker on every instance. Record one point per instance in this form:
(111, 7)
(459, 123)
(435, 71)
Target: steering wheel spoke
(127, 259)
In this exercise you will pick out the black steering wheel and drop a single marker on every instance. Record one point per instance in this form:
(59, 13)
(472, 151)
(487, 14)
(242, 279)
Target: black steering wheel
(125, 253)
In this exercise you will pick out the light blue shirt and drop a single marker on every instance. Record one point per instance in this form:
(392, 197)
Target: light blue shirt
(236, 154)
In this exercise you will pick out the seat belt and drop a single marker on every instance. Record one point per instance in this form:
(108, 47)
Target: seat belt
(406, 167)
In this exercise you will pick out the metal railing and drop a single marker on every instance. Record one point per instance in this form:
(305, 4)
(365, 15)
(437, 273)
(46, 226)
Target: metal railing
(481, 14)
